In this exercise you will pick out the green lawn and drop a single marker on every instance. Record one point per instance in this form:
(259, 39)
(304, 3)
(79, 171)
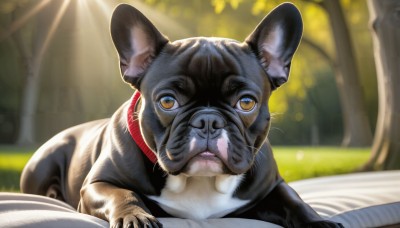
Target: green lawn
(12, 161)
(294, 163)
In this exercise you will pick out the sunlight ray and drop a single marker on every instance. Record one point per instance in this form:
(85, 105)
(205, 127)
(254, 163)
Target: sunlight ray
(92, 50)
(52, 29)
(161, 20)
(91, 24)
(15, 25)
(106, 9)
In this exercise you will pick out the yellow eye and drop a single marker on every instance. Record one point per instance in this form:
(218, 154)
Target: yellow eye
(246, 104)
(168, 103)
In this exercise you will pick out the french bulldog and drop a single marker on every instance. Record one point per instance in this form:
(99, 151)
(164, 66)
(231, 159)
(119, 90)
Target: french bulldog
(192, 142)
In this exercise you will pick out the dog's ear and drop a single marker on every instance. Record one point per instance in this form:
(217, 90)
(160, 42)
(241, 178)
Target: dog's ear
(137, 41)
(275, 40)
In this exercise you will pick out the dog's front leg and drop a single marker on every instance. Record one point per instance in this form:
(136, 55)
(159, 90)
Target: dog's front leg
(296, 212)
(121, 207)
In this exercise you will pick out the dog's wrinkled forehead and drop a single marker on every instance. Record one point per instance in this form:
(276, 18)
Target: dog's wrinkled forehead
(206, 63)
(208, 59)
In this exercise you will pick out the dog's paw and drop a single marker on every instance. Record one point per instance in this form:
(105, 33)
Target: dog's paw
(135, 220)
(323, 224)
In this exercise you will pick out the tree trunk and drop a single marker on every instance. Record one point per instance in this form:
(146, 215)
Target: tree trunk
(28, 104)
(385, 18)
(32, 60)
(357, 130)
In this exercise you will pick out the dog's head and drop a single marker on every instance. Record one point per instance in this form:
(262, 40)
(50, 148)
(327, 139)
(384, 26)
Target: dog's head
(204, 107)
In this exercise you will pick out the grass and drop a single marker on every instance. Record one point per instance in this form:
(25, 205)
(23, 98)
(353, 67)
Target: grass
(294, 163)
(12, 161)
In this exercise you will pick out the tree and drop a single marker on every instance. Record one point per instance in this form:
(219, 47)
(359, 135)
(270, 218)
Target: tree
(385, 18)
(31, 54)
(357, 130)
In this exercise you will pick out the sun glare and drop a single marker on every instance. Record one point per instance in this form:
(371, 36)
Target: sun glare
(17, 24)
(53, 28)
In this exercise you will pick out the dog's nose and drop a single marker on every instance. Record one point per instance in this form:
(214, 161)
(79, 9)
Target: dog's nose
(207, 123)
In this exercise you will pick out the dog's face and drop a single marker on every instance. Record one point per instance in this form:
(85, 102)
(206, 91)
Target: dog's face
(204, 107)
(208, 108)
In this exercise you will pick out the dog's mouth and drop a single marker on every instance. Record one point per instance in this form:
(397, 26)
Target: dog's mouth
(205, 163)
(206, 155)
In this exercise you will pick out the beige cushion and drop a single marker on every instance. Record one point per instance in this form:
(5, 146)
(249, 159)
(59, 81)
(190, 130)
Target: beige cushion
(355, 200)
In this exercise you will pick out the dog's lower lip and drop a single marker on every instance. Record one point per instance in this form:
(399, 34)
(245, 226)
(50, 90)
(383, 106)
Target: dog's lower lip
(207, 154)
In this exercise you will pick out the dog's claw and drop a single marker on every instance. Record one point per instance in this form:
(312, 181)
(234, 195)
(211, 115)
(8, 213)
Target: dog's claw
(135, 221)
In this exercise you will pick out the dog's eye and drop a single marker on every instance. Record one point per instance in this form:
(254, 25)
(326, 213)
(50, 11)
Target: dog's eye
(246, 104)
(168, 103)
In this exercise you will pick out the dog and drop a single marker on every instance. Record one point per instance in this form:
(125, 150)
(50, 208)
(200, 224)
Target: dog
(192, 141)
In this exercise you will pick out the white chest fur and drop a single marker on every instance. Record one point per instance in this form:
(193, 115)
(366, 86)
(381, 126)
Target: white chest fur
(200, 197)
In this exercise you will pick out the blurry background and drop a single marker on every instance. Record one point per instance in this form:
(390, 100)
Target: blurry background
(64, 51)
(58, 68)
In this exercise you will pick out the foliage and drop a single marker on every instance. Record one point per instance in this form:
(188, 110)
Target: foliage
(7, 6)
(81, 62)
(219, 5)
(10, 88)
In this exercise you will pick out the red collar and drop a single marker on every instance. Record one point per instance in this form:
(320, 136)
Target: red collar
(134, 129)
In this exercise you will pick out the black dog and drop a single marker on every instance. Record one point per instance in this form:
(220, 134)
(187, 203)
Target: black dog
(192, 142)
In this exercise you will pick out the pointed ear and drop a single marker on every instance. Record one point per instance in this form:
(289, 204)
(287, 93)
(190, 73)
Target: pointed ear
(275, 40)
(137, 41)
